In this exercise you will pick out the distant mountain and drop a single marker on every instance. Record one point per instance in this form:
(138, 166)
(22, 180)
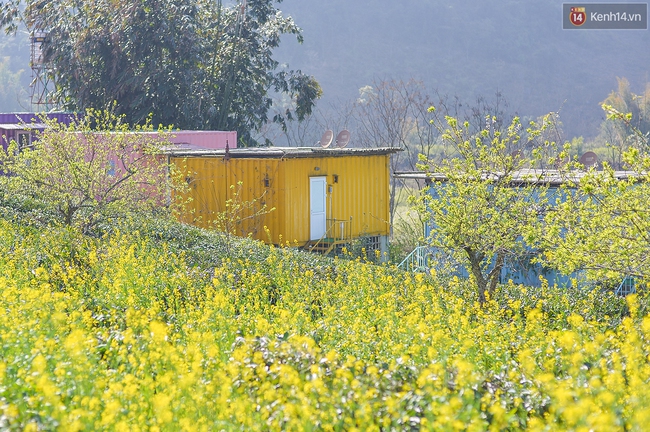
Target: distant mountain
(15, 73)
(469, 48)
(461, 48)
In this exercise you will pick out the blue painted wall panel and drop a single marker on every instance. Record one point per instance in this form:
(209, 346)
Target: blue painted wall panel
(520, 272)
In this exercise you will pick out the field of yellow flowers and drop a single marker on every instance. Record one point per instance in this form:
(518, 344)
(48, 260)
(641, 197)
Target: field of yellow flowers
(126, 332)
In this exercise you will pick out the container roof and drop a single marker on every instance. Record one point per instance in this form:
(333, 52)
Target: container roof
(22, 126)
(185, 150)
(549, 177)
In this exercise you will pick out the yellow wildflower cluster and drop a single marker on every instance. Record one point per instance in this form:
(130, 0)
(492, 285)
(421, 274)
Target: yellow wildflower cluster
(124, 334)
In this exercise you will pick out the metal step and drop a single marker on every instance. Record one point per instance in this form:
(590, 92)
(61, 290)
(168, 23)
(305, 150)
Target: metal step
(325, 246)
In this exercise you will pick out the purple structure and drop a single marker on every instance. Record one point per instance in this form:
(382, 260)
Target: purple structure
(22, 126)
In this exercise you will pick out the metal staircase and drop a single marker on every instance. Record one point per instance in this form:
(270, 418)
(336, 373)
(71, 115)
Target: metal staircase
(627, 286)
(419, 260)
(337, 235)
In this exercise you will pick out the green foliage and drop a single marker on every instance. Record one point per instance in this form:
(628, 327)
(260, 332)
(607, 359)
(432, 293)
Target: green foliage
(559, 303)
(194, 64)
(636, 108)
(9, 13)
(486, 200)
(602, 224)
(94, 171)
(632, 114)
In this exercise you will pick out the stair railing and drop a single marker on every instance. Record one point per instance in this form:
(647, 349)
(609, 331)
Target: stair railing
(340, 236)
(417, 260)
(627, 286)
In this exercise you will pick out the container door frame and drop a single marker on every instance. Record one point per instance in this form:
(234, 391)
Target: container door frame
(317, 207)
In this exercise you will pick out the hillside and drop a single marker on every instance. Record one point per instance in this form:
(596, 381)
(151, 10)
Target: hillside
(468, 49)
(460, 49)
(15, 73)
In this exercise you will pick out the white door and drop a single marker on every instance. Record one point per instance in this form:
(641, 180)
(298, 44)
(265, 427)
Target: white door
(317, 207)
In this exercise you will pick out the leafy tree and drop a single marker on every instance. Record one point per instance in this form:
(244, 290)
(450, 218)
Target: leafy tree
(93, 171)
(621, 134)
(394, 113)
(637, 105)
(193, 63)
(245, 74)
(487, 200)
(602, 227)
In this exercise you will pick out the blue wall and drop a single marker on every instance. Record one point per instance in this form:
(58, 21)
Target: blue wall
(520, 271)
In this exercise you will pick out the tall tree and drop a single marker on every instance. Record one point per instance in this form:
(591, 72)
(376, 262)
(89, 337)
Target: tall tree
(393, 113)
(487, 199)
(190, 63)
(96, 170)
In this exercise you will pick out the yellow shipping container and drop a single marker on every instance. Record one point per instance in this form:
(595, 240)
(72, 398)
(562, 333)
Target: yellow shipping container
(295, 195)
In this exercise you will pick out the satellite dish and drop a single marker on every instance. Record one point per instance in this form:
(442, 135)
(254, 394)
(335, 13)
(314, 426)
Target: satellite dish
(326, 140)
(343, 138)
(589, 159)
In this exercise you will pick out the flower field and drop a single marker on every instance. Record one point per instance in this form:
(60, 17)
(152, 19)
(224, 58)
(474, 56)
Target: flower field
(131, 333)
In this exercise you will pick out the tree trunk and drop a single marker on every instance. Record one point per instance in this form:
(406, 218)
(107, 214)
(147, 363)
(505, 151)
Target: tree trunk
(493, 276)
(475, 267)
(484, 283)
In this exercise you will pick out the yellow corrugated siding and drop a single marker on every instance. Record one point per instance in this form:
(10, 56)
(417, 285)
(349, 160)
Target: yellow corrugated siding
(361, 193)
(213, 182)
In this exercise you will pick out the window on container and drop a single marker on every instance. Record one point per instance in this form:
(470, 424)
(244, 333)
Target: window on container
(111, 168)
(24, 140)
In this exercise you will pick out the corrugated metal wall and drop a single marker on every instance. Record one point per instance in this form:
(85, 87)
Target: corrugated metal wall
(232, 194)
(15, 118)
(205, 139)
(360, 192)
(255, 186)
